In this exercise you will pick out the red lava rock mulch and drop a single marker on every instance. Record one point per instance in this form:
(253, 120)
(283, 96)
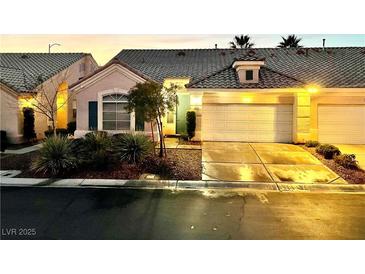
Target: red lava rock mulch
(353, 176)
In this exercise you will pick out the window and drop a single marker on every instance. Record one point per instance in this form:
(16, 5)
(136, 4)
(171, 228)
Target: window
(115, 116)
(249, 75)
(170, 117)
(74, 109)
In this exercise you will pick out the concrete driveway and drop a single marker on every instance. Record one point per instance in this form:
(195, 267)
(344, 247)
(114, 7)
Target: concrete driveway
(263, 162)
(358, 150)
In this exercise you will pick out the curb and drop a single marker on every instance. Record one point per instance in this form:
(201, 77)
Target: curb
(183, 185)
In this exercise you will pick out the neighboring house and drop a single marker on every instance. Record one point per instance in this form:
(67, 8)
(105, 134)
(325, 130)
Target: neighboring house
(22, 73)
(250, 95)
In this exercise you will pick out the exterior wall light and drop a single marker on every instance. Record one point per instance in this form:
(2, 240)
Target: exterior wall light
(312, 89)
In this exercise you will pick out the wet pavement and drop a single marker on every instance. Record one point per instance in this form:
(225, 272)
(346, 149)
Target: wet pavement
(265, 162)
(74, 213)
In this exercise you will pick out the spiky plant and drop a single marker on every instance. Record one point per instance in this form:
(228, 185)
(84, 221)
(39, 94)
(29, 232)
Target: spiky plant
(133, 147)
(55, 157)
(97, 149)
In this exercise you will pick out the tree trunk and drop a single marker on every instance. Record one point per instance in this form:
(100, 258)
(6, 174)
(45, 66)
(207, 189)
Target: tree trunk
(161, 137)
(153, 139)
(54, 127)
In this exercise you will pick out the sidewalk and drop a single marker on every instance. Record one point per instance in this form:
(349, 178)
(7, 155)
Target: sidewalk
(180, 185)
(23, 150)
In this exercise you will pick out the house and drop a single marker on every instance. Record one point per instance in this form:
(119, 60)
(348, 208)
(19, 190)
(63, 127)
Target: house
(20, 76)
(249, 95)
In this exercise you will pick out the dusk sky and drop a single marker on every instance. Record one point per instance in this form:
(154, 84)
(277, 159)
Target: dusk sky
(104, 47)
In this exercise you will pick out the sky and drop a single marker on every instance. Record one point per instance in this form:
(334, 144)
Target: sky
(104, 47)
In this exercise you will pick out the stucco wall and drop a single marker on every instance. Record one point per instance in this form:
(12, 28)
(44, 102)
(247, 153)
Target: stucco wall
(114, 77)
(10, 115)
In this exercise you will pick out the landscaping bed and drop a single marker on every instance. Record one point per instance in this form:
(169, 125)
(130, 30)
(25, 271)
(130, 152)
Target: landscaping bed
(353, 176)
(181, 164)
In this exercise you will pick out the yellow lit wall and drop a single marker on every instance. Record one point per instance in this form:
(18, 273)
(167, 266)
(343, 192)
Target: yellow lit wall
(62, 109)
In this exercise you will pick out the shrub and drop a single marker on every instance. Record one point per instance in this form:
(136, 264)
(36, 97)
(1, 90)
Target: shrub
(55, 157)
(28, 124)
(312, 143)
(97, 149)
(160, 166)
(3, 140)
(71, 127)
(347, 161)
(328, 151)
(190, 123)
(59, 132)
(133, 147)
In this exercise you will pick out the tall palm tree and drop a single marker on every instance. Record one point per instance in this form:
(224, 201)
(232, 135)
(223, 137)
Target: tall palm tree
(242, 41)
(291, 41)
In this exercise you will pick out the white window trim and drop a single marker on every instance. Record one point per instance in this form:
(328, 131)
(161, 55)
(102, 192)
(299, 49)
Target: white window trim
(103, 93)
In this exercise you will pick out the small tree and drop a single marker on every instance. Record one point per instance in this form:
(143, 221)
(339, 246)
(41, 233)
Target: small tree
(242, 41)
(28, 124)
(43, 98)
(190, 123)
(152, 101)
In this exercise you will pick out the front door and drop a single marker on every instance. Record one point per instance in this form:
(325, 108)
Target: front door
(181, 109)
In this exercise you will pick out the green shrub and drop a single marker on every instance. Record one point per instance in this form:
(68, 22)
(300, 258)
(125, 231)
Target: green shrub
(190, 123)
(59, 132)
(3, 140)
(71, 127)
(347, 161)
(97, 149)
(55, 157)
(133, 147)
(328, 151)
(312, 143)
(28, 124)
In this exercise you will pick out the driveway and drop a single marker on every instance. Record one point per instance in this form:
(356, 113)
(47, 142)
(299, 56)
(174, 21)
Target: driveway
(358, 150)
(263, 162)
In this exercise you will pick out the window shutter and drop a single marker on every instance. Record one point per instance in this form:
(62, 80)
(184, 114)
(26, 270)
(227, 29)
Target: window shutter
(93, 115)
(139, 122)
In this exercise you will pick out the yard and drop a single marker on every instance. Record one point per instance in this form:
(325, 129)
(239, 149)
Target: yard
(181, 164)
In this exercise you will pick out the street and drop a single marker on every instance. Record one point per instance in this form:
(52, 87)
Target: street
(112, 213)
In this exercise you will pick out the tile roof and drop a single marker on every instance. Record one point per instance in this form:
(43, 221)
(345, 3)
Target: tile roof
(21, 71)
(228, 78)
(332, 67)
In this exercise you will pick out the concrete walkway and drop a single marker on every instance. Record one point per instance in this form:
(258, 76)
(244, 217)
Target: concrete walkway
(23, 150)
(264, 162)
(180, 185)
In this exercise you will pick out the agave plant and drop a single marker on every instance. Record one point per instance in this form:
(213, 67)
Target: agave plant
(97, 149)
(133, 147)
(55, 157)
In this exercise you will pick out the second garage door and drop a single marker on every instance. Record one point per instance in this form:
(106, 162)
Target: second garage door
(341, 124)
(247, 123)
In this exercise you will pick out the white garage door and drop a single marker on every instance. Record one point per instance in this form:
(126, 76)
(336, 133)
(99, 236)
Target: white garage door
(247, 123)
(341, 124)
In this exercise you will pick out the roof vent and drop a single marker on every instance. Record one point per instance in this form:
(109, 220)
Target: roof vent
(223, 53)
(181, 53)
(300, 52)
(24, 56)
(251, 52)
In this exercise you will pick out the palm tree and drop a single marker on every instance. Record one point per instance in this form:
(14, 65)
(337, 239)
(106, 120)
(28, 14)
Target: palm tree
(291, 41)
(242, 41)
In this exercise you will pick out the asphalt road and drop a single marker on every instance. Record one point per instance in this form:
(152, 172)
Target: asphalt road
(75, 213)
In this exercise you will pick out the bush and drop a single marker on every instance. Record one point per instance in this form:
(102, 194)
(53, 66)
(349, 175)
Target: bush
(190, 123)
(328, 151)
(71, 127)
(347, 161)
(3, 140)
(55, 157)
(59, 132)
(160, 166)
(28, 124)
(312, 143)
(133, 147)
(97, 149)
